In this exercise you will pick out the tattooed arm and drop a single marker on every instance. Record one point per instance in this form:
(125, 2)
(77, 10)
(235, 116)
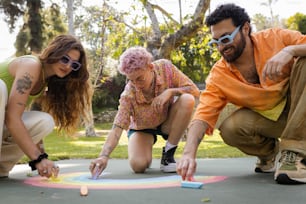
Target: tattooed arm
(112, 141)
(110, 144)
(186, 167)
(26, 73)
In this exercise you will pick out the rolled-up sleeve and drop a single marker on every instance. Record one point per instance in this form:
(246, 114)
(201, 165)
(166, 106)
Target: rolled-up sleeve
(123, 115)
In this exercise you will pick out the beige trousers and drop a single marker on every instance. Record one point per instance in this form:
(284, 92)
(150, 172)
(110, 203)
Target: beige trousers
(39, 125)
(256, 135)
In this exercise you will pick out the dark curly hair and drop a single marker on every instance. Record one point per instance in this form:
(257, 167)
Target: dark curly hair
(67, 98)
(225, 11)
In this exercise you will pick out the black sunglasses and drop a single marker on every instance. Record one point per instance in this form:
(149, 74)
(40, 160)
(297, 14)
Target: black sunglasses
(74, 65)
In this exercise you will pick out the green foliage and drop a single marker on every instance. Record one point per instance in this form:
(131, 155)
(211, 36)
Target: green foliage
(297, 22)
(107, 38)
(13, 9)
(22, 40)
(35, 25)
(53, 23)
(108, 92)
(302, 26)
(195, 58)
(38, 30)
(261, 22)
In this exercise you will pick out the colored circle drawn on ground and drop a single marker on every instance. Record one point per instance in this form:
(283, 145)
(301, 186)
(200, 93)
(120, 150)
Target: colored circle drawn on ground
(75, 180)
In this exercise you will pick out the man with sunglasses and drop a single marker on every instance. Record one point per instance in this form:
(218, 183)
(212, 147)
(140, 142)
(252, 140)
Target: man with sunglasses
(264, 75)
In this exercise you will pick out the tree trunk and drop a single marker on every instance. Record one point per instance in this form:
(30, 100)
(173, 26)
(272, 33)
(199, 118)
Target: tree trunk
(70, 17)
(90, 125)
(35, 25)
(162, 48)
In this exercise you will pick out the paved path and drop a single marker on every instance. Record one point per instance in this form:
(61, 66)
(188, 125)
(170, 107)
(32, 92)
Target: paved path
(242, 186)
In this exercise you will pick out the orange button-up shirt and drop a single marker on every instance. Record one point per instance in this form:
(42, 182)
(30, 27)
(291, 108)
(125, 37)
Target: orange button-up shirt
(225, 83)
(135, 112)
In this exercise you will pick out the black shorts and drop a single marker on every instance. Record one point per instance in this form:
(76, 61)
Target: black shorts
(153, 132)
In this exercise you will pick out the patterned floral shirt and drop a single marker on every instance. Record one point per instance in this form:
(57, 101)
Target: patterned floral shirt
(136, 112)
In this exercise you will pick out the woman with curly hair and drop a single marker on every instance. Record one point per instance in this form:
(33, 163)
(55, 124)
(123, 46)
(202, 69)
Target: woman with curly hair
(58, 78)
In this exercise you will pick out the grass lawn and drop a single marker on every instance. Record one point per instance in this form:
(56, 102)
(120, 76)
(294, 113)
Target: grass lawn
(62, 147)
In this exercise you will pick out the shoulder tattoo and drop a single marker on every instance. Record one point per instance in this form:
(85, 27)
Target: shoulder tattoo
(24, 83)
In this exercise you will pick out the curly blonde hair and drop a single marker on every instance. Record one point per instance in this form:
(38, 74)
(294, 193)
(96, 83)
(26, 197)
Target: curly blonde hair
(67, 99)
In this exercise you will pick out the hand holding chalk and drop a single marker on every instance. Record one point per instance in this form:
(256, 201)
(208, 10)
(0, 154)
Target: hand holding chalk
(55, 171)
(97, 166)
(96, 172)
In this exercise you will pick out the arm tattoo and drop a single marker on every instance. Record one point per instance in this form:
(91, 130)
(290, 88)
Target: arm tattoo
(107, 148)
(116, 135)
(106, 151)
(199, 140)
(24, 83)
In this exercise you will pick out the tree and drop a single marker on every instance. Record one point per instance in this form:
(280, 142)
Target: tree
(269, 4)
(297, 22)
(16, 8)
(13, 9)
(261, 22)
(161, 46)
(108, 34)
(70, 16)
(35, 25)
(302, 26)
(51, 24)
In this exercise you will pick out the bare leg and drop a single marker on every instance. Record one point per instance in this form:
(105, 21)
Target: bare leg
(179, 118)
(140, 151)
(176, 124)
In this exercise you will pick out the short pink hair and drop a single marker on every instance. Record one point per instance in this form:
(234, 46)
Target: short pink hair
(133, 59)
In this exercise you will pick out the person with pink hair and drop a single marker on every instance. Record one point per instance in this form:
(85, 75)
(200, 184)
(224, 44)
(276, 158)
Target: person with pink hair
(158, 99)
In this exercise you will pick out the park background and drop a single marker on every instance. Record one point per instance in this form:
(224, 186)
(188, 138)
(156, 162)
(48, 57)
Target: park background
(171, 29)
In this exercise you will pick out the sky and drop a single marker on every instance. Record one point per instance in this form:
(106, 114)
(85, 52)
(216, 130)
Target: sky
(283, 8)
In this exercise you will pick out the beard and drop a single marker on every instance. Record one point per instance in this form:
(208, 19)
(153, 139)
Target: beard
(237, 50)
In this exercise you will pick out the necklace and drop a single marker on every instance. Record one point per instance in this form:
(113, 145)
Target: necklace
(153, 82)
(151, 93)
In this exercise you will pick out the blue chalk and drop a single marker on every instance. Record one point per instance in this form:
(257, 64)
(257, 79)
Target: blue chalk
(96, 174)
(191, 184)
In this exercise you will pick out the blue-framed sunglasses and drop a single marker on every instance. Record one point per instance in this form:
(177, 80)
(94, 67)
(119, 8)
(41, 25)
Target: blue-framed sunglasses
(74, 65)
(225, 40)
